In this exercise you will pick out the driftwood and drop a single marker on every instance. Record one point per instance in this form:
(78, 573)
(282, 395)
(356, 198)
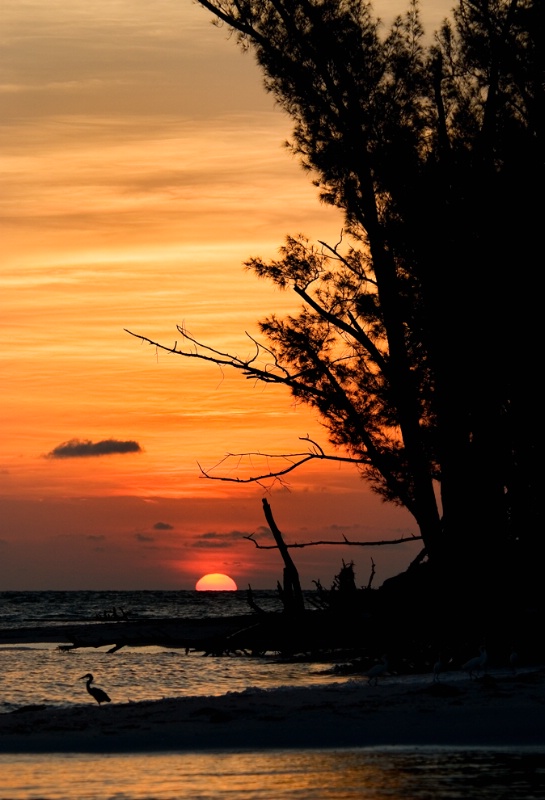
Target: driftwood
(290, 592)
(251, 634)
(194, 634)
(294, 630)
(343, 618)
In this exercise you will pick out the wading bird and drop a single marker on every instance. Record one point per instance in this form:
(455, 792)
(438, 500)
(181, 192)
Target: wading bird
(477, 663)
(513, 661)
(375, 672)
(438, 668)
(99, 694)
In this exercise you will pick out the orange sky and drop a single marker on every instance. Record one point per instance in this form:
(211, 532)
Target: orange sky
(142, 164)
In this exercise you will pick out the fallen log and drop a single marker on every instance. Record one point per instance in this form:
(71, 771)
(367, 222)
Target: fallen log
(250, 634)
(181, 633)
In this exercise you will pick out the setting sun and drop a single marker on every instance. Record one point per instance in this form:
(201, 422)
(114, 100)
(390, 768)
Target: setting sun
(166, 159)
(216, 582)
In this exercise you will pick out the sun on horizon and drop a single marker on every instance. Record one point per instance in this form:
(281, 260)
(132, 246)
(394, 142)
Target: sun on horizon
(216, 582)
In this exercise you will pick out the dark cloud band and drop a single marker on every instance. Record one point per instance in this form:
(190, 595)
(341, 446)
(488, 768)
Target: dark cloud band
(78, 448)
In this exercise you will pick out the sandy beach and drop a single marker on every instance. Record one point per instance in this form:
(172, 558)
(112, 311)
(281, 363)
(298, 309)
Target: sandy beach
(502, 710)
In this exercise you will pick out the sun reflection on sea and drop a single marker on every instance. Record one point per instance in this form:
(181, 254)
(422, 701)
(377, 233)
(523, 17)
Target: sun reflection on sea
(284, 775)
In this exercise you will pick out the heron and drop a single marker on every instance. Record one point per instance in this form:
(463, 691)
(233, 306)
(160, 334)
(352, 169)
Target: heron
(513, 661)
(377, 670)
(438, 667)
(477, 663)
(99, 694)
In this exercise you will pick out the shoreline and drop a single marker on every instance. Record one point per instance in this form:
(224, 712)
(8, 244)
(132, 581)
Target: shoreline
(493, 711)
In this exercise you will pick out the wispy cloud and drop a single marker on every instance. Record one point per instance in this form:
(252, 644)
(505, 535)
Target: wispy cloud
(142, 537)
(84, 448)
(261, 532)
(163, 526)
(218, 541)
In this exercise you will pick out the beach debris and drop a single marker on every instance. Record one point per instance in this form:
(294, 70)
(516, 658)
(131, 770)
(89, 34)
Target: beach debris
(66, 648)
(99, 694)
(114, 614)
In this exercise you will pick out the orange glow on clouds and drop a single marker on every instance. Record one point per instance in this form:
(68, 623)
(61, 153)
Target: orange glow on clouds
(216, 582)
(132, 194)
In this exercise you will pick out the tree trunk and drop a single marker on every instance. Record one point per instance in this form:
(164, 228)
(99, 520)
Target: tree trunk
(292, 596)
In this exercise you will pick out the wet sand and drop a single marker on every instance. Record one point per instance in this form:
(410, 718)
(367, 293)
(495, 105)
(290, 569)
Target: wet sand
(502, 710)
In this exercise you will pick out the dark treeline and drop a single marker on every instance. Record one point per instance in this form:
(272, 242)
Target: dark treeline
(418, 338)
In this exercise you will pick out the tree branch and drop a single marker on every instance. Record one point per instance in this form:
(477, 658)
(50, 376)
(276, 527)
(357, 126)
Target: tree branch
(265, 375)
(356, 332)
(297, 460)
(345, 543)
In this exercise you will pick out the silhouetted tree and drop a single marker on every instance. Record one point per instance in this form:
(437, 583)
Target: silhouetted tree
(419, 336)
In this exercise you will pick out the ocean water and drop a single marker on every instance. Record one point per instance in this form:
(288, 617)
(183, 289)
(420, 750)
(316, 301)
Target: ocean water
(366, 774)
(27, 609)
(37, 673)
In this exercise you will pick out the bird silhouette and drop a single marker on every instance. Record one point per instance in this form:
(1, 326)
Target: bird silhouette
(476, 664)
(99, 694)
(513, 661)
(438, 667)
(377, 670)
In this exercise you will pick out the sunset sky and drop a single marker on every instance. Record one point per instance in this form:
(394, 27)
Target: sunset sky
(142, 164)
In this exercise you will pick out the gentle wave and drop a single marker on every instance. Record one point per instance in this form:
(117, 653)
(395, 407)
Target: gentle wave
(21, 609)
(284, 775)
(39, 673)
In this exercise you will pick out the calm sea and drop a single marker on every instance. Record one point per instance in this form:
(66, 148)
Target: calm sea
(363, 774)
(37, 673)
(19, 609)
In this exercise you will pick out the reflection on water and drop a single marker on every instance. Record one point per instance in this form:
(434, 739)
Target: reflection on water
(39, 674)
(396, 774)
(26, 609)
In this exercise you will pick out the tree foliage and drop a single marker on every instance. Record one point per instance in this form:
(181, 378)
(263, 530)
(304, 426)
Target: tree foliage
(418, 338)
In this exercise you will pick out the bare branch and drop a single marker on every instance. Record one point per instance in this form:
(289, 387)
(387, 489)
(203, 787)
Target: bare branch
(344, 543)
(296, 460)
(342, 258)
(245, 365)
(264, 374)
(356, 332)
(372, 575)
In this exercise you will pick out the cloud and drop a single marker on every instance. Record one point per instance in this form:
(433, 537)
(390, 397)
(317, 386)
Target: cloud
(218, 541)
(84, 448)
(262, 532)
(142, 537)
(163, 526)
